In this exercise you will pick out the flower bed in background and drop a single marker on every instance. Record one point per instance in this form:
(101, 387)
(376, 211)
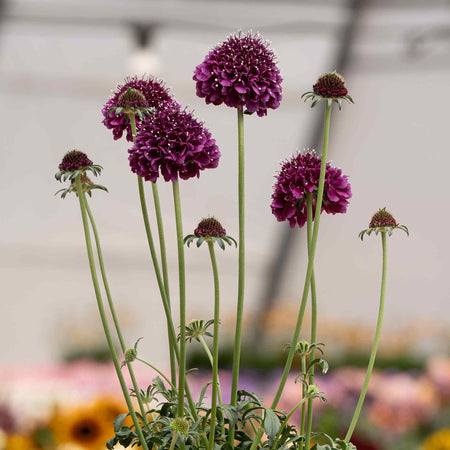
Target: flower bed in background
(72, 406)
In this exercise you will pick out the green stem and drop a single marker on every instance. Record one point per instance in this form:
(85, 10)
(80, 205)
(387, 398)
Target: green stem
(182, 292)
(172, 335)
(241, 276)
(156, 370)
(375, 343)
(215, 362)
(162, 247)
(309, 270)
(163, 287)
(101, 310)
(112, 308)
(257, 438)
(309, 215)
(241, 265)
(174, 440)
(286, 420)
(211, 360)
(302, 424)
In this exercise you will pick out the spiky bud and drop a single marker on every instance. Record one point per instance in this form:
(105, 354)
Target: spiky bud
(132, 98)
(210, 227)
(382, 218)
(180, 425)
(330, 85)
(130, 355)
(74, 160)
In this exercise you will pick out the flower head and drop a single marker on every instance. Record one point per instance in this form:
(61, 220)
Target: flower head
(197, 328)
(383, 221)
(74, 160)
(175, 144)
(137, 95)
(298, 177)
(242, 73)
(76, 163)
(331, 86)
(180, 425)
(210, 230)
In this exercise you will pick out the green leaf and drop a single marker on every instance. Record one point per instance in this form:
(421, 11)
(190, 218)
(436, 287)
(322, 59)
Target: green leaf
(118, 422)
(271, 424)
(231, 414)
(221, 244)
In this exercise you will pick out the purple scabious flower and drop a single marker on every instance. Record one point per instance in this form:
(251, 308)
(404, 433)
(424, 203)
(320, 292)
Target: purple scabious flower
(242, 73)
(174, 143)
(300, 176)
(156, 96)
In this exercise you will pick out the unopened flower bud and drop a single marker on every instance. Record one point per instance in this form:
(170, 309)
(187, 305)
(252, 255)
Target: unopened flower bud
(132, 98)
(180, 425)
(74, 160)
(330, 85)
(210, 227)
(382, 218)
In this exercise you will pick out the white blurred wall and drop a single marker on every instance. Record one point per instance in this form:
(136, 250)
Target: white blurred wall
(54, 79)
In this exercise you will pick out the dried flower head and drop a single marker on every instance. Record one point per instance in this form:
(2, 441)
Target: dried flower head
(210, 230)
(131, 98)
(242, 73)
(331, 86)
(74, 160)
(298, 177)
(138, 95)
(210, 227)
(175, 144)
(76, 163)
(382, 221)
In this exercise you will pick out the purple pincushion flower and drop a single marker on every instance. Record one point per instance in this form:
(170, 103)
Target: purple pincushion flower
(174, 143)
(300, 176)
(156, 96)
(240, 72)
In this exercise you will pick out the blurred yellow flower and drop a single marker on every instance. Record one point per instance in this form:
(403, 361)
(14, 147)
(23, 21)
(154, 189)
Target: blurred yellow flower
(20, 442)
(81, 426)
(438, 441)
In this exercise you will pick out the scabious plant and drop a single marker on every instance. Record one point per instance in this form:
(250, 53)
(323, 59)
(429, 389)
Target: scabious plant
(298, 178)
(168, 142)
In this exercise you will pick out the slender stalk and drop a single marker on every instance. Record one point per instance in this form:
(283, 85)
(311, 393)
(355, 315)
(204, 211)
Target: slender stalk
(163, 287)
(309, 270)
(375, 342)
(174, 440)
(211, 360)
(162, 248)
(182, 291)
(302, 423)
(215, 362)
(167, 311)
(257, 438)
(241, 276)
(156, 370)
(101, 310)
(112, 308)
(286, 420)
(309, 215)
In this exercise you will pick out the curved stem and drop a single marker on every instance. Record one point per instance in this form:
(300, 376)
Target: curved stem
(211, 360)
(112, 308)
(375, 342)
(215, 359)
(309, 214)
(156, 370)
(309, 270)
(101, 310)
(162, 247)
(241, 276)
(182, 291)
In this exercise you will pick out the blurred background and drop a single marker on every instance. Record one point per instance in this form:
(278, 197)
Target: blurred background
(59, 61)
